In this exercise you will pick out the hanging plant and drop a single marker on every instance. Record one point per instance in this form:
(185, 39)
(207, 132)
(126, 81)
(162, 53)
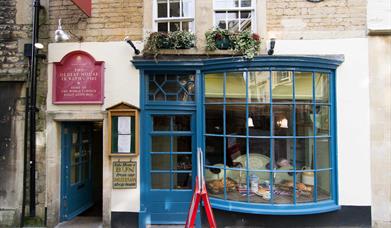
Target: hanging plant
(246, 43)
(171, 40)
(218, 39)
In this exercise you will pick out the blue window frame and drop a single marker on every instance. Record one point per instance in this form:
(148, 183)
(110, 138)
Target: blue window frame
(263, 105)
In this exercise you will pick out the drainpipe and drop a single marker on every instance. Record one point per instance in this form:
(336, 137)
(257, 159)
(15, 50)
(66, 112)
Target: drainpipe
(33, 109)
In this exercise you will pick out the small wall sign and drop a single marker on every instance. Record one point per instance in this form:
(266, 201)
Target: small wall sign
(78, 79)
(124, 175)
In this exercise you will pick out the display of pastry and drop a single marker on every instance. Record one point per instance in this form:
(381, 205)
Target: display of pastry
(217, 186)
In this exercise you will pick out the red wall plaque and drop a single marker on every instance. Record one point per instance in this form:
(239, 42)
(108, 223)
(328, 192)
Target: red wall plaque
(78, 79)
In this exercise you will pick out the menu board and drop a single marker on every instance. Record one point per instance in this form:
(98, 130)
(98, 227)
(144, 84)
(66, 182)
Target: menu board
(124, 175)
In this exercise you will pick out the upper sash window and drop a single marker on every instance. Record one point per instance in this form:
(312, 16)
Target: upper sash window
(234, 15)
(174, 15)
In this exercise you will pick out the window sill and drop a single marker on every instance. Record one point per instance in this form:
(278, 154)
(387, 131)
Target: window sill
(275, 209)
(123, 155)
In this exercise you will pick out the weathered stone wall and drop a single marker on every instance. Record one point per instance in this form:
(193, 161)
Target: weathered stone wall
(111, 20)
(15, 32)
(301, 19)
(12, 39)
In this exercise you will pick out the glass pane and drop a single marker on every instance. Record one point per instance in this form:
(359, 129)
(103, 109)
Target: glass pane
(214, 87)
(258, 87)
(181, 123)
(174, 8)
(161, 123)
(283, 158)
(186, 26)
(171, 87)
(232, 15)
(181, 180)
(304, 120)
(182, 161)
(160, 162)
(162, 27)
(324, 185)
(245, 25)
(322, 153)
(175, 26)
(74, 174)
(226, 3)
(187, 7)
(322, 87)
(283, 189)
(160, 180)
(322, 120)
(237, 185)
(214, 151)
(304, 154)
(181, 144)
(220, 19)
(282, 87)
(161, 8)
(260, 187)
(236, 87)
(305, 192)
(214, 116)
(245, 14)
(85, 175)
(160, 143)
(246, 3)
(259, 156)
(259, 120)
(233, 25)
(214, 178)
(171, 97)
(282, 120)
(152, 87)
(236, 152)
(235, 119)
(303, 86)
(159, 96)
(187, 82)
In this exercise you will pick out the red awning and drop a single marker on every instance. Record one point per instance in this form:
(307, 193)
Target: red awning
(84, 5)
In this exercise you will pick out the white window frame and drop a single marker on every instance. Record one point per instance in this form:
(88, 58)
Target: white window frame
(252, 8)
(156, 20)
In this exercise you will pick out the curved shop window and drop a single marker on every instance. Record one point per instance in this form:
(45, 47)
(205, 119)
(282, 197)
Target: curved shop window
(269, 140)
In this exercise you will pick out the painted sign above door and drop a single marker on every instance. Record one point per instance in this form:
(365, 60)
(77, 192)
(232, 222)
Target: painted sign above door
(78, 79)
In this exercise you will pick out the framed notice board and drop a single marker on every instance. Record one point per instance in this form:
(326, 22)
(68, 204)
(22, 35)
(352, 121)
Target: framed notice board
(123, 130)
(124, 175)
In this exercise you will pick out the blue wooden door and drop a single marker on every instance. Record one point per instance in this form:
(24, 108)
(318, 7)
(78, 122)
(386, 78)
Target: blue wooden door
(170, 161)
(76, 179)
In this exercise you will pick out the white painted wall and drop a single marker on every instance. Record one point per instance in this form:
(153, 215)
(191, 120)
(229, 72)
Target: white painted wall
(121, 84)
(379, 15)
(352, 112)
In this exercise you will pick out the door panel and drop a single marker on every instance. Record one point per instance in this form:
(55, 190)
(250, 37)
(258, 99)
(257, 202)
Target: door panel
(170, 148)
(76, 182)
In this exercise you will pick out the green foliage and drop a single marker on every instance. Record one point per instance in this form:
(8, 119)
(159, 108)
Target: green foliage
(170, 40)
(247, 44)
(216, 35)
(244, 43)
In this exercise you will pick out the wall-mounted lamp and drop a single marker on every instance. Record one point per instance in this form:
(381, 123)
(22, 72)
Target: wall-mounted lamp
(272, 44)
(60, 35)
(250, 122)
(283, 123)
(127, 39)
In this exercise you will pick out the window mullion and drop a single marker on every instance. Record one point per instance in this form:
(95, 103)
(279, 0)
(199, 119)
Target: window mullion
(294, 137)
(315, 193)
